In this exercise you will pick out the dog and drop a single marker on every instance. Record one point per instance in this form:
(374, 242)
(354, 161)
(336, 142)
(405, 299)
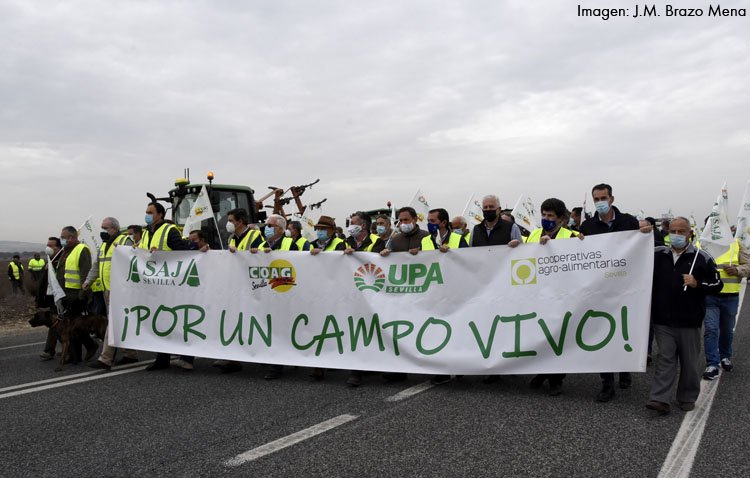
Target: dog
(68, 327)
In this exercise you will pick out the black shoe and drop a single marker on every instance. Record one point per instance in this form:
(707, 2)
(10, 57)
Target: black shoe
(99, 365)
(607, 393)
(157, 366)
(661, 407)
(317, 374)
(90, 354)
(355, 379)
(491, 379)
(230, 367)
(126, 361)
(440, 379)
(537, 381)
(394, 377)
(272, 375)
(555, 389)
(625, 384)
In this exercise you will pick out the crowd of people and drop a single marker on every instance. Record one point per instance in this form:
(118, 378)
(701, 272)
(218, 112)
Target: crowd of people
(694, 295)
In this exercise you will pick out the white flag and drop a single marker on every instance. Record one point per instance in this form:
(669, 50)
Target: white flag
(743, 219)
(694, 226)
(583, 211)
(308, 226)
(420, 204)
(200, 211)
(717, 236)
(53, 286)
(524, 213)
(473, 212)
(87, 236)
(641, 215)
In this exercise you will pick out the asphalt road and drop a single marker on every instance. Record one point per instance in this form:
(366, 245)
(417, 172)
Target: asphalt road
(176, 423)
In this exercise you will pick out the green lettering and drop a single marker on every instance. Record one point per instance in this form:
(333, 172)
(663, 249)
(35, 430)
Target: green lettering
(255, 325)
(297, 345)
(485, 349)
(416, 271)
(139, 319)
(428, 322)
(579, 333)
(361, 328)
(236, 333)
(392, 274)
(557, 347)
(517, 352)
(163, 308)
(337, 334)
(396, 335)
(188, 327)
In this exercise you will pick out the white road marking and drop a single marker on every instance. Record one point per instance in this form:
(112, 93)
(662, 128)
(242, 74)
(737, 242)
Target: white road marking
(410, 392)
(289, 440)
(679, 462)
(19, 346)
(72, 382)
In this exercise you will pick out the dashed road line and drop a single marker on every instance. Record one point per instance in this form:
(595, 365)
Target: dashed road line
(20, 346)
(410, 392)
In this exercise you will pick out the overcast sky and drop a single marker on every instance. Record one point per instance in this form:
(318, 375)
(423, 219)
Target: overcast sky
(103, 101)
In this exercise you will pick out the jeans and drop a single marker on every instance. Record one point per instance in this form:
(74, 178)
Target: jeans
(718, 327)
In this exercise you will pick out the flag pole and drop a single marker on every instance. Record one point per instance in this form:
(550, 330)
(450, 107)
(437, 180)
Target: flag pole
(684, 289)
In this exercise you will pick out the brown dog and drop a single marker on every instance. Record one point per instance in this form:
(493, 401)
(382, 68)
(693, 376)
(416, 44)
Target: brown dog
(68, 328)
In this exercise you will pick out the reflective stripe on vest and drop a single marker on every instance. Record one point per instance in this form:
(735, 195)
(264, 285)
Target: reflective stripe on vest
(732, 256)
(454, 241)
(105, 262)
(332, 245)
(72, 267)
(160, 238)
(427, 244)
(248, 239)
(301, 243)
(36, 265)
(563, 233)
(373, 239)
(286, 244)
(16, 270)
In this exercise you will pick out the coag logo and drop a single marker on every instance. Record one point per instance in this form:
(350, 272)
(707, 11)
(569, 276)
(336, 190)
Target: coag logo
(369, 277)
(523, 271)
(279, 274)
(167, 273)
(199, 211)
(401, 279)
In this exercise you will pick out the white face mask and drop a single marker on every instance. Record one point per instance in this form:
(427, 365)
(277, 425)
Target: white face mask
(287, 233)
(354, 230)
(230, 227)
(406, 228)
(49, 251)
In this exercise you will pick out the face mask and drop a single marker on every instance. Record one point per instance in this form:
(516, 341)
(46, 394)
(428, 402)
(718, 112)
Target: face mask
(406, 228)
(571, 222)
(64, 242)
(104, 235)
(548, 225)
(458, 231)
(269, 231)
(49, 251)
(490, 216)
(322, 235)
(230, 227)
(149, 218)
(602, 207)
(678, 242)
(433, 228)
(354, 230)
(287, 233)
(131, 237)
(380, 230)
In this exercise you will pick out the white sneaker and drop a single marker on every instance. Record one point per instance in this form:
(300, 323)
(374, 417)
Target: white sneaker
(711, 372)
(183, 365)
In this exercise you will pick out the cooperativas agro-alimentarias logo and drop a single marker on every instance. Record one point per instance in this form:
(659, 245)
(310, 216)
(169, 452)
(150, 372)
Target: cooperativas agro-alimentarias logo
(401, 278)
(523, 271)
(164, 273)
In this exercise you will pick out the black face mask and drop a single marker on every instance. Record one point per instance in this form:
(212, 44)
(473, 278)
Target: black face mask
(490, 215)
(104, 235)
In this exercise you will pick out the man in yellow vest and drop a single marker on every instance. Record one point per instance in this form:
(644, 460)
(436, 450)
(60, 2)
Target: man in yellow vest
(553, 215)
(360, 238)
(460, 226)
(443, 237)
(243, 237)
(72, 270)
(295, 231)
(15, 274)
(326, 241)
(721, 310)
(111, 238)
(275, 236)
(383, 227)
(36, 265)
(160, 235)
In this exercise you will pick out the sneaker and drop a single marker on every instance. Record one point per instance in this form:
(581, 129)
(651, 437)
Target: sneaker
(99, 365)
(711, 372)
(726, 364)
(183, 364)
(46, 356)
(661, 407)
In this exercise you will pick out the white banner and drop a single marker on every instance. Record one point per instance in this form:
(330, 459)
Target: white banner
(524, 213)
(717, 235)
(87, 236)
(567, 306)
(743, 219)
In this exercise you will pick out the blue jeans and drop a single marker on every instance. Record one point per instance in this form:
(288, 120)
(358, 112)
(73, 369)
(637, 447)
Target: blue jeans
(718, 327)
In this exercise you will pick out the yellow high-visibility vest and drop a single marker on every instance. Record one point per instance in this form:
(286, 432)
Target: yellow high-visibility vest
(286, 244)
(105, 262)
(373, 239)
(333, 244)
(563, 233)
(36, 264)
(160, 237)
(454, 240)
(732, 256)
(72, 267)
(16, 269)
(247, 240)
(427, 244)
(301, 243)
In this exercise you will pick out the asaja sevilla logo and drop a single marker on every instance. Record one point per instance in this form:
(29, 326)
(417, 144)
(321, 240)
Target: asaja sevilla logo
(369, 277)
(168, 273)
(279, 274)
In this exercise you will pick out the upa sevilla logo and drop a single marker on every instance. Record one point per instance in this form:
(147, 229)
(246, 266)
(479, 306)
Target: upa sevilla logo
(523, 271)
(369, 277)
(164, 273)
(279, 274)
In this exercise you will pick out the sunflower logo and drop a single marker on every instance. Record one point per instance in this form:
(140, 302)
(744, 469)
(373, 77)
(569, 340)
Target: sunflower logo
(369, 277)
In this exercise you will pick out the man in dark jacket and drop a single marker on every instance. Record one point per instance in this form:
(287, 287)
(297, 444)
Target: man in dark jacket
(608, 219)
(683, 276)
(494, 231)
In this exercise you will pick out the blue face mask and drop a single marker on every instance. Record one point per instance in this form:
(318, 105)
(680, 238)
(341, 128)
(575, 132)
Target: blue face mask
(677, 241)
(380, 230)
(433, 228)
(322, 235)
(548, 225)
(602, 207)
(269, 231)
(149, 218)
(63, 242)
